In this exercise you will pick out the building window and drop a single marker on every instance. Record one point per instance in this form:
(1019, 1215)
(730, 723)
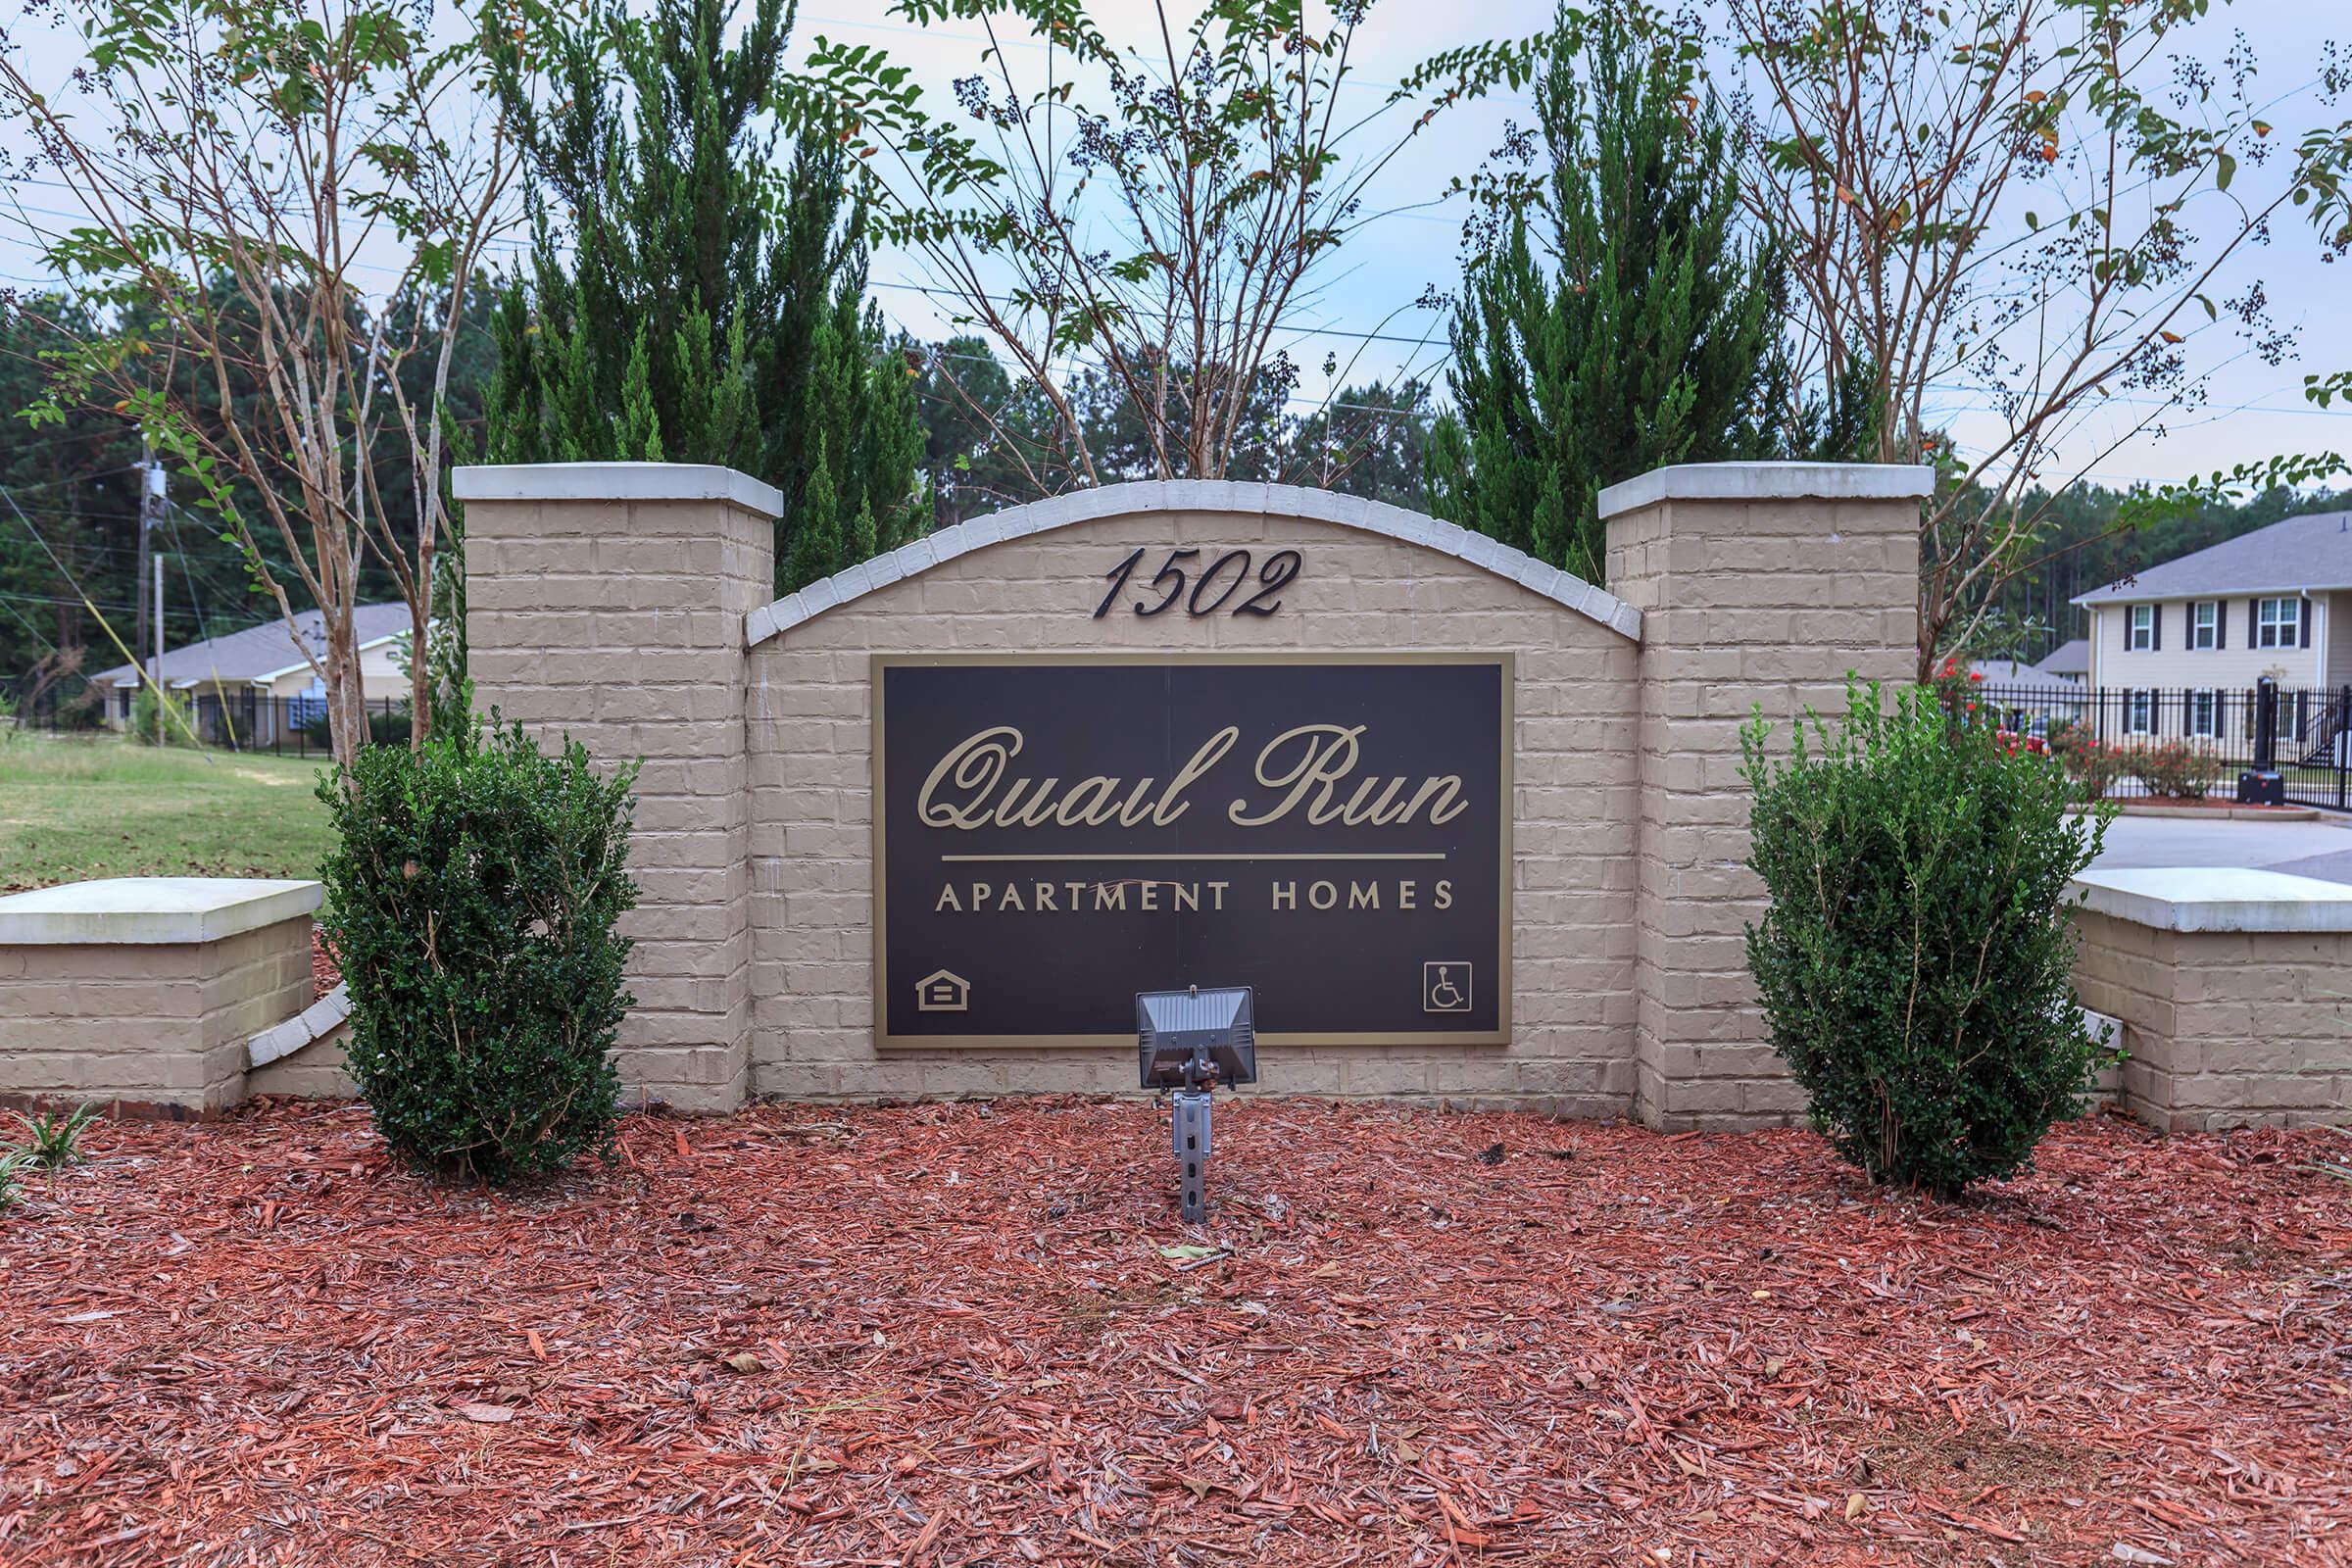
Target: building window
(2203, 712)
(2277, 622)
(2142, 633)
(2139, 712)
(2205, 625)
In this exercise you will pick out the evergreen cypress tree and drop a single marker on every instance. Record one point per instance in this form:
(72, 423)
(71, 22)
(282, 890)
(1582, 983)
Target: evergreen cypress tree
(640, 435)
(817, 547)
(863, 541)
(1640, 337)
(679, 275)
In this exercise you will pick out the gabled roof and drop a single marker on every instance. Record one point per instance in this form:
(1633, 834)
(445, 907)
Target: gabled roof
(2067, 658)
(2286, 557)
(2008, 675)
(261, 652)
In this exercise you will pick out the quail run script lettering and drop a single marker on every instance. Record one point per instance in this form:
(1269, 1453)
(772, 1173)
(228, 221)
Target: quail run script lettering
(1308, 772)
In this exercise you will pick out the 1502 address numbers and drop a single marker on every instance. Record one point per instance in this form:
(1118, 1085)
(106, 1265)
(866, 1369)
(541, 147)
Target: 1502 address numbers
(1216, 583)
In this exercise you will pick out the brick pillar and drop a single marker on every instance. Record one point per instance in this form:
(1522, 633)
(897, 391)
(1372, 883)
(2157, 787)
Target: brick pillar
(1760, 585)
(606, 601)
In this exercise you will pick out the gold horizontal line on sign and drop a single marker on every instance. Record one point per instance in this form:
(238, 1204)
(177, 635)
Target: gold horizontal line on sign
(1236, 855)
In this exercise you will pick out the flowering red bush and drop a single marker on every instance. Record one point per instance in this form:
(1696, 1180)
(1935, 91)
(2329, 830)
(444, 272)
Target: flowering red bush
(2014, 742)
(2093, 766)
(1955, 688)
(2175, 769)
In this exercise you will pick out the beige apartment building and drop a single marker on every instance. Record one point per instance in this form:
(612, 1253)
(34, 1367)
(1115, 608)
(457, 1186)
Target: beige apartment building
(2176, 639)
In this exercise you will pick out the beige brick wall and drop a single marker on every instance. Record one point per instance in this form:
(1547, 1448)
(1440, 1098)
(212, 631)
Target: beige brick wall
(626, 623)
(1575, 785)
(1746, 606)
(620, 623)
(159, 1027)
(2224, 1029)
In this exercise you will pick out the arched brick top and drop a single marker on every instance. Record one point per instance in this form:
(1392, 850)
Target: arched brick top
(1193, 495)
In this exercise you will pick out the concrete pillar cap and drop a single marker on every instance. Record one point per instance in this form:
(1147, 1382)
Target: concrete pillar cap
(1771, 481)
(616, 481)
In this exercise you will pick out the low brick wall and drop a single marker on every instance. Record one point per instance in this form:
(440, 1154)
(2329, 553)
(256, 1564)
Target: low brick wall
(2234, 996)
(319, 1071)
(143, 993)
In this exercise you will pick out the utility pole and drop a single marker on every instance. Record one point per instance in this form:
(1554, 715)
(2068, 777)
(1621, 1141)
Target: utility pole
(139, 574)
(151, 603)
(158, 648)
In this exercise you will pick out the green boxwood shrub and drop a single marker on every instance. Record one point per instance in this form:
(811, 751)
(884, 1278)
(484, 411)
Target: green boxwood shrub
(473, 898)
(1913, 961)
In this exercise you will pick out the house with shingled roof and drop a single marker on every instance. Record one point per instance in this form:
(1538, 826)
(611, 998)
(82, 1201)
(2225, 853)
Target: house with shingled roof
(260, 677)
(2276, 602)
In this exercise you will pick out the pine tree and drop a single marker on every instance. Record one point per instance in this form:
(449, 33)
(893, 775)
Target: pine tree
(1641, 335)
(681, 269)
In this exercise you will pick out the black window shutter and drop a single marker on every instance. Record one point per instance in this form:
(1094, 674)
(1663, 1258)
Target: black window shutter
(2303, 633)
(2221, 623)
(2124, 612)
(2156, 628)
(2253, 623)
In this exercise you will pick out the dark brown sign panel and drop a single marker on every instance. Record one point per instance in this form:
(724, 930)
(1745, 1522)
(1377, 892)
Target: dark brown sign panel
(1054, 835)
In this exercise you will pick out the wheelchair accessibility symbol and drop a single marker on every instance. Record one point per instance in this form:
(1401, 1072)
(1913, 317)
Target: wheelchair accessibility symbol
(1446, 987)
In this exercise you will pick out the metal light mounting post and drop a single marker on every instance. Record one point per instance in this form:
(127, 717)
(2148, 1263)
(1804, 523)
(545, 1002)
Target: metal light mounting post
(1188, 1042)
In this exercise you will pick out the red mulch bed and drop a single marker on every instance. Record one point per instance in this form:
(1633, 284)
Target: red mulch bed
(953, 1335)
(326, 970)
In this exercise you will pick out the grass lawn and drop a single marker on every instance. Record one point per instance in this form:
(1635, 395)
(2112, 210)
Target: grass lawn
(960, 1335)
(73, 807)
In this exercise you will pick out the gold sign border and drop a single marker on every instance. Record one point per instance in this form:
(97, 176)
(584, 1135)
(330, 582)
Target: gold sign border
(1501, 1035)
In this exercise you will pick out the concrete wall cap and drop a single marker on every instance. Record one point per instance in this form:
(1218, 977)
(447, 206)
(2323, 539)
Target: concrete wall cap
(1771, 481)
(616, 481)
(151, 909)
(1214, 496)
(2208, 898)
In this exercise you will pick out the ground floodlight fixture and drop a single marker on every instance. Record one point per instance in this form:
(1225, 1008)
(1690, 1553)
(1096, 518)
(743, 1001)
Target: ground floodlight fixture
(1188, 1042)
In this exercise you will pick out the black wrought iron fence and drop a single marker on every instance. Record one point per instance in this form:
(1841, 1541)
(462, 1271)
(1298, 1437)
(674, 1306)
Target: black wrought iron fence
(2148, 739)
(244, 721)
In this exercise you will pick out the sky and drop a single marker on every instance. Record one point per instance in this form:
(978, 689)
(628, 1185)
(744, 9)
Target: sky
(1364, 309)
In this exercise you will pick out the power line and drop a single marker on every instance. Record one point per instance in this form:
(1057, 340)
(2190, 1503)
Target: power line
(26, 621)
(63, 601)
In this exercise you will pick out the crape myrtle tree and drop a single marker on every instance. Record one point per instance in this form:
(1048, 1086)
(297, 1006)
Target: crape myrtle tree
(2028, 214)
(1155, 216)
(697, 283)
(295, 194)
(993, 442)
(1617, 315)
(981, 431)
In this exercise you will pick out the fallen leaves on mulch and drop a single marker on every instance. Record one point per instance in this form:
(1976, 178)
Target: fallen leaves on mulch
(978, 1335)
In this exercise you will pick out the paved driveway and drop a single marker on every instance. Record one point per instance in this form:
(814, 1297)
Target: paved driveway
(2320, 849)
